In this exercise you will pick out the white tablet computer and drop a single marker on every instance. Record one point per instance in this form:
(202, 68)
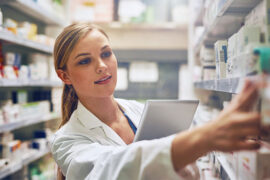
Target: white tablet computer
(162, 118)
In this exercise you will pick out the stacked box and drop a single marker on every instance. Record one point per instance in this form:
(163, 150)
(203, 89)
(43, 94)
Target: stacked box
(221, 58)
(232, 44)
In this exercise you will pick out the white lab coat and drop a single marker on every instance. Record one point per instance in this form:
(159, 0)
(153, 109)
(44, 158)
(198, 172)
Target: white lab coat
(86, 148)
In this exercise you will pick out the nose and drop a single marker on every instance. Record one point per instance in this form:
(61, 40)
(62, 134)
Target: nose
(101, 67)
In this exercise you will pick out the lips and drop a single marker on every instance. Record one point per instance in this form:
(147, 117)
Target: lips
(103, 80)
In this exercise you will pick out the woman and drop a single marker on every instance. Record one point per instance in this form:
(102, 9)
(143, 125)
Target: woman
(97, 130)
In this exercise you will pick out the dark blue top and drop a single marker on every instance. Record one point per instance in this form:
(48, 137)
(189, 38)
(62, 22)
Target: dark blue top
(133, 127)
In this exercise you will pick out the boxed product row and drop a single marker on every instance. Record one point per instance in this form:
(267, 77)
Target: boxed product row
(234, 57)
(10, 112)
(14, 151)
(25, 30)
(247, 165)
(242, 55)
(39, 67)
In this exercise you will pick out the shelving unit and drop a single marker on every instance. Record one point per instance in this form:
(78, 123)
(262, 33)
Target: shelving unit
(34, 10)
(229, 18)
(45, 17)
(16, 166)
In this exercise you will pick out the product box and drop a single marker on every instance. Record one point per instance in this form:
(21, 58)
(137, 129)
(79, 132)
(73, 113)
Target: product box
(209, 73)
(247, 35)
(257, 16)
(232, 43)
(39, 66)
(254, 165)
(207, 56)
(221, 58)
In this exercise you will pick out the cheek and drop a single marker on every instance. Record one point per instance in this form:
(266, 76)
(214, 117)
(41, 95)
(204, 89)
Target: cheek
(114, 65)
(81, 77)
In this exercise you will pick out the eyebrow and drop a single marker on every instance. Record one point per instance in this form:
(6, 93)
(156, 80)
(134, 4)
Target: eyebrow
(104, 47)
(85, 54)
(82, 54)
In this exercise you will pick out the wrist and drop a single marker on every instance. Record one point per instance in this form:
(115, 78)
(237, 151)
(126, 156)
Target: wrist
(188, 146)
(205, 139)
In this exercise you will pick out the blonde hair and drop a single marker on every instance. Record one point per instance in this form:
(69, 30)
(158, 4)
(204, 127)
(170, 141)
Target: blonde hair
(63, 47)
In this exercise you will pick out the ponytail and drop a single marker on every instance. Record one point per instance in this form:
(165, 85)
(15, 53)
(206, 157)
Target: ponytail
(69, 103)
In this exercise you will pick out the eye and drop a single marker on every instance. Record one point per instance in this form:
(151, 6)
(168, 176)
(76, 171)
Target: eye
(106, 54)
(84, 61)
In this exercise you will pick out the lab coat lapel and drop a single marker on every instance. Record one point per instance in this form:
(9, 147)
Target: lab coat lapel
(133, 117)
(90, 121)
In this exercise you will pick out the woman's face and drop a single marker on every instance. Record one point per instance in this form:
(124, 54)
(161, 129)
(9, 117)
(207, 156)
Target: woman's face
(92, 67)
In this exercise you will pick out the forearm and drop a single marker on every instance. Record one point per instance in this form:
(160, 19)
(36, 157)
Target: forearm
(188, 146)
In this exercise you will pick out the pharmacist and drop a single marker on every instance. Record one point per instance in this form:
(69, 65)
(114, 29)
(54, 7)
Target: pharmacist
(97, 130)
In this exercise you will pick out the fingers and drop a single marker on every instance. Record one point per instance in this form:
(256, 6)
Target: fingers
(248, 97)
(247, 145)
(249, 93)
(247, 132)
(243, 120)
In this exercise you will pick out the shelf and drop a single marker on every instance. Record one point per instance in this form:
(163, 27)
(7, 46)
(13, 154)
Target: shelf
(27, 121)
(222, 160)
(12, 38)
(144, 26)
(36, 11)
(229, 85)
(228, 21)
(27, 83)
(35, 155)
(14, 167)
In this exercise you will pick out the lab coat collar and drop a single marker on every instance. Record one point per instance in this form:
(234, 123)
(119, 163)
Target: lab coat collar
(90, 121)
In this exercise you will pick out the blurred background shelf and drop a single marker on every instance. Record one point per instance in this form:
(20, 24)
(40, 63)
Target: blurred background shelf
(27, 121)
(229, 85)
(16, 166)
(143, 26)
(27, 83)
(32, 9)
(14, 39)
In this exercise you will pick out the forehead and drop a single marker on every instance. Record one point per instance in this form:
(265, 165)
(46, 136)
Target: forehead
(92, 40)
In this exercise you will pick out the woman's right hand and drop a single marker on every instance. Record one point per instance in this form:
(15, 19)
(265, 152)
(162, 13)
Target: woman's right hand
(232, 129)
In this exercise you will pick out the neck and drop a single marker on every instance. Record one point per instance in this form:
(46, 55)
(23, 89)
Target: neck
(106, 109)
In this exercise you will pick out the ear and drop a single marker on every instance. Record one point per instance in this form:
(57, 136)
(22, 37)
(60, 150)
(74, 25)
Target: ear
(63, 76)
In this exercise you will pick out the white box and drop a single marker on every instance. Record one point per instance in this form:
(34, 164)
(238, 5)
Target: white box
(247, 35)
(254, 165)
(232, 43)
(221, 55)
(207, 56)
